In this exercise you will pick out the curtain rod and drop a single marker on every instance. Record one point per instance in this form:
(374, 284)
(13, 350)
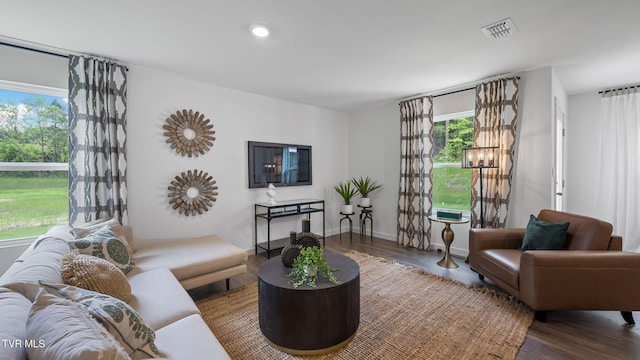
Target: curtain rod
(32, 49)
(618, 89)
(455, 91)
(465, 87)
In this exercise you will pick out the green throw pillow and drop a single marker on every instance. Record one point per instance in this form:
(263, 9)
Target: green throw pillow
(541, 235)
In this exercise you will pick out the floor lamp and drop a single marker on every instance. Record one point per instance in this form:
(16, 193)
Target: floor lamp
(480, 158)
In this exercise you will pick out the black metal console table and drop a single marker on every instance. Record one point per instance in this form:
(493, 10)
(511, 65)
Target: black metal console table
(281, 209)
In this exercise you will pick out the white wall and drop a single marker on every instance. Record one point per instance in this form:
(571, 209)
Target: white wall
(374, 151)
(237, 118)
(583, 150)
(37, 69)
(532, 184)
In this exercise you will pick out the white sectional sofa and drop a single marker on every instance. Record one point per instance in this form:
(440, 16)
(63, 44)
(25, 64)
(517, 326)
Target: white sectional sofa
(158, 282)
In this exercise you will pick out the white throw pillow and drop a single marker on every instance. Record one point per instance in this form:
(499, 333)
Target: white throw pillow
(60, 329)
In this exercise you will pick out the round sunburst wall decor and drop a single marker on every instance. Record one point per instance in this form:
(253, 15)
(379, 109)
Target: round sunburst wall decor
(193, 192)
(189, 133)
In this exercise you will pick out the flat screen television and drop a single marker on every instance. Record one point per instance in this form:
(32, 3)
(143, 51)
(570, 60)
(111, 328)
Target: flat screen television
(279, 164)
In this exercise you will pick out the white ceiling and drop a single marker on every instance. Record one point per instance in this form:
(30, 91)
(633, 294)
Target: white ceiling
(343, 54)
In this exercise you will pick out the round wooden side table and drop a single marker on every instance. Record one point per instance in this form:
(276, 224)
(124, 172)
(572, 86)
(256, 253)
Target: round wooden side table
(308, 321)
(447, 238)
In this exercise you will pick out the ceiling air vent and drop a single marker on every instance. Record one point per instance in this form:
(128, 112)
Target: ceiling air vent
(500, 29)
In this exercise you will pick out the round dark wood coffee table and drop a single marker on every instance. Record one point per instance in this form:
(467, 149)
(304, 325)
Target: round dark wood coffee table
(306, 320)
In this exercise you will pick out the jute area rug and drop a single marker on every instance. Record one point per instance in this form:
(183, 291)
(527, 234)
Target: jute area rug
(404, 314)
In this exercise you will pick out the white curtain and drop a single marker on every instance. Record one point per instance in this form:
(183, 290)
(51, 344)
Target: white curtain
(618, 194)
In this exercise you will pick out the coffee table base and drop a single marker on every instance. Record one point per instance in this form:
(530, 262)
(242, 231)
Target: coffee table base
(315, 352)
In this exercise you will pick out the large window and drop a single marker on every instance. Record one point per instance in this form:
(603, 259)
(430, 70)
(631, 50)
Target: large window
(451, 183)
(33, 159)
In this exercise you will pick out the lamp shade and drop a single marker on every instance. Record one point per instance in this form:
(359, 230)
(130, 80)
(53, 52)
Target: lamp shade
(480, 157)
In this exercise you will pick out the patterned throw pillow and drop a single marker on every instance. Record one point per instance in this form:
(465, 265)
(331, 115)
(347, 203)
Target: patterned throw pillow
(105, 244)
(91, 227)
(92, 273)
(62, 329)
(120, 319)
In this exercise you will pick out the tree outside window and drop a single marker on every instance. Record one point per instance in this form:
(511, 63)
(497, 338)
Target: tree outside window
(33, 160)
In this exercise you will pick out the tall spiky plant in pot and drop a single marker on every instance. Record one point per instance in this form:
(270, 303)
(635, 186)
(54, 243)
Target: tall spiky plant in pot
(365, 186)
(347, 192)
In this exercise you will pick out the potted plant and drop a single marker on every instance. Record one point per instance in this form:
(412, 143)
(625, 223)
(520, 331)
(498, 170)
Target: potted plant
(365, 186)
(347, 192)
(308, 266)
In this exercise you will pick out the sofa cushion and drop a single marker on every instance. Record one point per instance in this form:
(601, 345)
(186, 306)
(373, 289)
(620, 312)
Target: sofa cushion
(119, 318)
(105, 244)
(159, 298)
(41, 261)
(191, 257)
(92, 273)
(60, 329)
(15, 309)
(503, 264)
(189, 338)
(541, 235)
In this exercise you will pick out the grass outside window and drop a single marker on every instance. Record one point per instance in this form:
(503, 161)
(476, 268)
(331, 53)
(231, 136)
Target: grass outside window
(30, 206)
(452, 188)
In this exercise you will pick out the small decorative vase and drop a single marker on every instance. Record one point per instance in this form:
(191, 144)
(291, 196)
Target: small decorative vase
(291, 251)
(365, 202)
(306, 225)
(306, 238)
(271, 193)
(347, 209)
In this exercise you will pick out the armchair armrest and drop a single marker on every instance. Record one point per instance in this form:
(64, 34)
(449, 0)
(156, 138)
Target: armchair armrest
(580, 280)
(481, 239)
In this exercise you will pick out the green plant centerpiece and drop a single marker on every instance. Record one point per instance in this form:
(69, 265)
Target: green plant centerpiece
(347, 192)
(365, 186)
(308, 266)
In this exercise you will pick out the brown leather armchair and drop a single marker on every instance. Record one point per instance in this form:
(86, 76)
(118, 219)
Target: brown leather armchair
(592, 273)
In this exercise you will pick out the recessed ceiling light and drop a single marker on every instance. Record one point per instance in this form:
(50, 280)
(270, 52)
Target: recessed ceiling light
(259, 30)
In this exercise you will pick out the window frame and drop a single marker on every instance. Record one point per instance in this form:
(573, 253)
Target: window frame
(441, 118)
(31, 166)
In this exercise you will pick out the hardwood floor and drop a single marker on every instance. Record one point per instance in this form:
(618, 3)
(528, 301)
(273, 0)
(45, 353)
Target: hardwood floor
(565, 334)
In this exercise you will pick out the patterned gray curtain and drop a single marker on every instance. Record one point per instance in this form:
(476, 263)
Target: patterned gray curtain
(416, 172)
(97, 140)
(495, 125)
